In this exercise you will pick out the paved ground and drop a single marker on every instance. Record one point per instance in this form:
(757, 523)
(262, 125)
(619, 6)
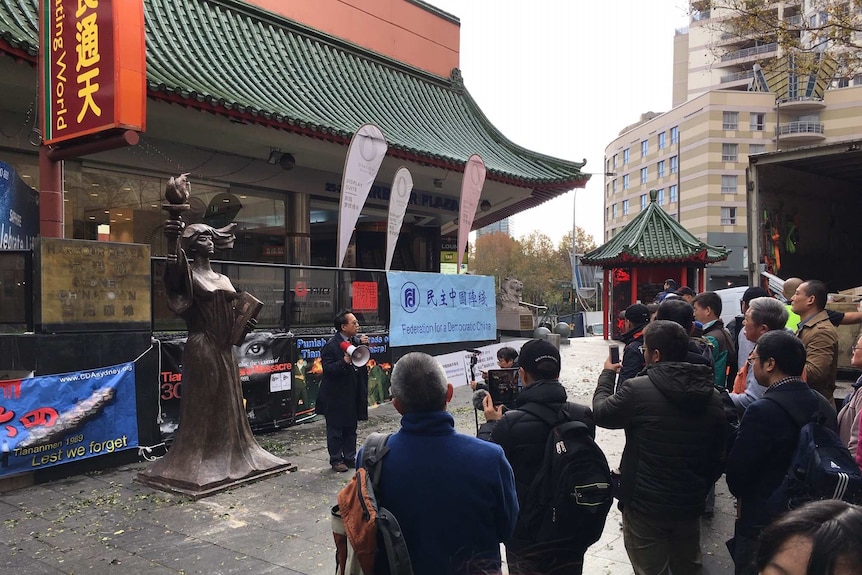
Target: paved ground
(105, 523)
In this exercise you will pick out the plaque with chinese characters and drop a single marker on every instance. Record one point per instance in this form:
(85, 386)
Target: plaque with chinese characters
(91, 286)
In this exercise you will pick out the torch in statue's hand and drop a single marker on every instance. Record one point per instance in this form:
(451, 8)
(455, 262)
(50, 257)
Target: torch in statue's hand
(177, 194)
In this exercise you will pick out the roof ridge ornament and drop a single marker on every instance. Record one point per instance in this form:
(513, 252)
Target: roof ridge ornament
(457, 79)
(653, 195)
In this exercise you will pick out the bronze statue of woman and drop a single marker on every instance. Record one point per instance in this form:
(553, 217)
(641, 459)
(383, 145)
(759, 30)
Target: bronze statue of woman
(214, 448)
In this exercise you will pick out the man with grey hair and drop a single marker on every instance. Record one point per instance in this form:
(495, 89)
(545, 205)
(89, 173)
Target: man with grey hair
(453, 494)
(763, 314)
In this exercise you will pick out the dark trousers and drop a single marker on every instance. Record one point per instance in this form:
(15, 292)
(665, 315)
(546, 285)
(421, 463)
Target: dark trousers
(657, 546)
(743, 548)
(547, 559)
(341, 444)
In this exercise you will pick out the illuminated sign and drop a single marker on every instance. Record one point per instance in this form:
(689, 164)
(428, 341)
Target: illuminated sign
(93, 76)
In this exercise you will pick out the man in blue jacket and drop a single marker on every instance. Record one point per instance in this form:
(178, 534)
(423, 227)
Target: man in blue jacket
(767, 438)
(453, 495)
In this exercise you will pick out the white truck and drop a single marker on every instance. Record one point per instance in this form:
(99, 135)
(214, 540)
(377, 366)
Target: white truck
(804, 210)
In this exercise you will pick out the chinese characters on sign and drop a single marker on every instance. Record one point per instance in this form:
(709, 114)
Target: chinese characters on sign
(92, 283)
(364, 296)
(85, 67)
(436, 308)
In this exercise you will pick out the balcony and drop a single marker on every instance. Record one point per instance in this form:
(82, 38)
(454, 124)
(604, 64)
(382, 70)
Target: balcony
(801, 103)
(737, 76)
(750, 52)
(801, 132)
(794, 20)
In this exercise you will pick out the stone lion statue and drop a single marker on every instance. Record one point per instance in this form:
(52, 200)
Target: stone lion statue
(509, 298)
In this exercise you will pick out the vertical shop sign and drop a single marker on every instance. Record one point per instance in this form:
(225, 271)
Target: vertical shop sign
(93, 67)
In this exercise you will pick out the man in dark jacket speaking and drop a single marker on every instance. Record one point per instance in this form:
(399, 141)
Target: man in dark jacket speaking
(343, 395)
(523, 437)
(675, 438)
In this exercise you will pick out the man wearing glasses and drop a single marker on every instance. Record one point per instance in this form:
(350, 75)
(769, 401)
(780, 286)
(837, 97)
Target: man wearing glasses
(343, 395)
(767, 438)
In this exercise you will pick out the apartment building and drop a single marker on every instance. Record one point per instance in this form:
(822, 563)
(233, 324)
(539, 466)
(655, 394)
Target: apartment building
(696, 154)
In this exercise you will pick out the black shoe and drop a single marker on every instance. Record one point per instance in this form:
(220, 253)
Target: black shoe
(350, 464)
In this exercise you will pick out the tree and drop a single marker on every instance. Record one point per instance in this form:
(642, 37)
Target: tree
(811, 34)
(495, 255)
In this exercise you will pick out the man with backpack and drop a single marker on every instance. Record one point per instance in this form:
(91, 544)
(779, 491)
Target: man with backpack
(768, 437)
(707, 310)
(675, 443)
(523, 433)
(453, 495)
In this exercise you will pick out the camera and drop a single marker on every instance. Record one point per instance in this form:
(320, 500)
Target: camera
(504, 385)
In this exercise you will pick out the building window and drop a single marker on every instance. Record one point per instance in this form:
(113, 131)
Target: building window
(729, 184)
(625, 207)
(644, 148)
(643, 202)
(626, 154)
(662, 140)
(659, 197)
(660, 169)
(728, 216)
(674, 135)
(614, 186)
(730, 121)
(644, 175)
(757, 122)
(626, 182)
(615, 160)
(729, 152)
(674, 164)
(756, 148)
(614, 211)
(674, 193)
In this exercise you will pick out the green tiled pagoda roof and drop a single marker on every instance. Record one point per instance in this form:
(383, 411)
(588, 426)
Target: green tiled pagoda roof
(654, 237)
(235, 59)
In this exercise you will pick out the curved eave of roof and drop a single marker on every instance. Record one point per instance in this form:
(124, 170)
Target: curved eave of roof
(231, 58)
(653, 237)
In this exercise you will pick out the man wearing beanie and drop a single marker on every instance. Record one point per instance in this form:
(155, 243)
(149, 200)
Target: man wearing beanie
(523, 437)
(636, 319)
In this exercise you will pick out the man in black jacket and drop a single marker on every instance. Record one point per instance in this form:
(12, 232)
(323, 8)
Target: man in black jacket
(523, 437)
(636, 319)
(343, 395)
(675, 439)
(767, 438)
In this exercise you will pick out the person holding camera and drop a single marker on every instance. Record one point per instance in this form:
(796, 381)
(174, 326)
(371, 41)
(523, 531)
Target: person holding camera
(507, 358)
(523, 437)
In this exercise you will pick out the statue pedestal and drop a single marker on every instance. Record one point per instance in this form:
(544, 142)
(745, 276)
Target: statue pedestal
(515, 322)
(198, 491)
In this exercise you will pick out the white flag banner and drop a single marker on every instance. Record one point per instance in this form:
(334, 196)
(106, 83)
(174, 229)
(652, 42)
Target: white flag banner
(471, 191)
(364, 156)
(402, 185)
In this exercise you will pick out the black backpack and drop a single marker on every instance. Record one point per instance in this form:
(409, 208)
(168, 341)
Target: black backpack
(821, 468)
(571, 495)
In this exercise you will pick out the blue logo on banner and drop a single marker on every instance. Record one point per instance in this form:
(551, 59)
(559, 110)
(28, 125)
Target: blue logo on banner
(409, 297)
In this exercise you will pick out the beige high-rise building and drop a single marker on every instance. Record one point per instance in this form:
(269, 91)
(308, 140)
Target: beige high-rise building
(696, 154)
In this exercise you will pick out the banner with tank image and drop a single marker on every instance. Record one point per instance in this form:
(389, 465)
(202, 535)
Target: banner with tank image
(50, 420)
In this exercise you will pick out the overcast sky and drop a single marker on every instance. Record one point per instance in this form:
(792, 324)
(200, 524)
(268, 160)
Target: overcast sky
(563, 77)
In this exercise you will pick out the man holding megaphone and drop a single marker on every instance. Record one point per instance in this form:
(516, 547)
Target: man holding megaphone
(343, 395)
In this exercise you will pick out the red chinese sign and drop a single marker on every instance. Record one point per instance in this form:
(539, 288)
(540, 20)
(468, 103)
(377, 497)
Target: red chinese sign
(93, 76)
(364, 296)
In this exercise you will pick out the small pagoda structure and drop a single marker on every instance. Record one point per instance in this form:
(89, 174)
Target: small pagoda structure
(652, 248)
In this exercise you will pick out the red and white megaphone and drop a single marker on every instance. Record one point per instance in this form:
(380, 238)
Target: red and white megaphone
(359, 354)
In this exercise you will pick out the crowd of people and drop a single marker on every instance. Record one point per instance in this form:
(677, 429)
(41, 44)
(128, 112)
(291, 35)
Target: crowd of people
(697, 399)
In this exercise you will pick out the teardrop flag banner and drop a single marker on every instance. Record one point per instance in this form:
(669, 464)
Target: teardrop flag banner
(364, 156)
(402, 185)
(471, 191)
